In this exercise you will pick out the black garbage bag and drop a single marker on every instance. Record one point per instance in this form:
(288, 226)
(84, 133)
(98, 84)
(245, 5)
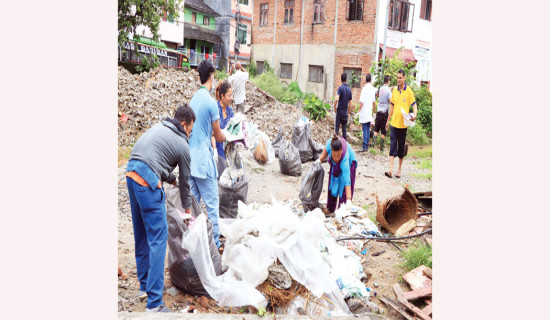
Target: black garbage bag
(230, 193)
(289, 159)
(182, 270)
(221, 164)
(300, 138)
(312, 186)
(316, 147)
(277, 142)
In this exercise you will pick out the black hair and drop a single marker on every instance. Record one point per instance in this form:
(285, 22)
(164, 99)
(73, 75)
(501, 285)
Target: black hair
(335, 144)
(386, 78)
(222, 89)
(368, 77)
(344, 77)
(185, 113)
(205, 70)
(401, 71)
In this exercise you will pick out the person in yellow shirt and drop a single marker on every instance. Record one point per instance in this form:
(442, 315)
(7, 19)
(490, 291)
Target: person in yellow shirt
(402, 99)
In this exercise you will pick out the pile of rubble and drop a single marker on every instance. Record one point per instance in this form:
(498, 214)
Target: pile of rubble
(144, 99)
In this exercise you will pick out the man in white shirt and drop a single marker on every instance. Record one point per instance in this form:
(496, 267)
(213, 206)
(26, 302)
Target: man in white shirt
(238, 81)
(367, 107)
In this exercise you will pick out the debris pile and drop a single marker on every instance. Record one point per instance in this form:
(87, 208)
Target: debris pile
(146, 98)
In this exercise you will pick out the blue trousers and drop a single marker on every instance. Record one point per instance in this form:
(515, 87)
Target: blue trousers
(150, 236)
(207, 189)
(366, 135)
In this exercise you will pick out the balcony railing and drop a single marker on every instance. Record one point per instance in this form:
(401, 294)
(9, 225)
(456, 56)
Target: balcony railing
(196, 57)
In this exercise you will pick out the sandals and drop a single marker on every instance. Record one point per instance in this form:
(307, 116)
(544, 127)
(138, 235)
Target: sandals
(398, 176)
(387, 174)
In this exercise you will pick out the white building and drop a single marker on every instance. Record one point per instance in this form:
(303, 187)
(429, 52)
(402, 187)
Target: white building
(170, 31)
(409, 26)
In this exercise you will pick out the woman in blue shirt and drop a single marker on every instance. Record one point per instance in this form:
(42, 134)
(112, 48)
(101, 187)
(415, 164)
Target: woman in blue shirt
(343, 165)
(224, 95)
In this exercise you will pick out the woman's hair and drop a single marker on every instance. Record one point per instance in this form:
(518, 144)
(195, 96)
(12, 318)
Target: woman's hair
(222, 88)
(335, 144)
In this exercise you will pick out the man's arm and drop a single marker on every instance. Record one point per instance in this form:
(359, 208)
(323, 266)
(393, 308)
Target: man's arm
(350, 106)
(184, 174)
(389, 116)
(336, 102)
(218, 134)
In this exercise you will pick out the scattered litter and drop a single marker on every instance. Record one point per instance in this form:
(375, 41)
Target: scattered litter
(172, 291)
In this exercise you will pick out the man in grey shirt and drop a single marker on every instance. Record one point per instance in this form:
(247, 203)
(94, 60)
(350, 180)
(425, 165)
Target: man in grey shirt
(384, 96)
(156, 154)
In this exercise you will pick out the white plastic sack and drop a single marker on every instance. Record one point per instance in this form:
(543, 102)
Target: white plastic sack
(225, 289)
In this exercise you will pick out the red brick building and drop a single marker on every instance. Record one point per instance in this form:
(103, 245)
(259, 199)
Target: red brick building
(314, 41)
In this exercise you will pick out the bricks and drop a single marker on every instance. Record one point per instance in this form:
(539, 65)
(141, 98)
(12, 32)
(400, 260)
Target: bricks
(354, 41)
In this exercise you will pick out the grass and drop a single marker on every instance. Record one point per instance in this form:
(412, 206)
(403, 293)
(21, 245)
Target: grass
(424, 164)
(420, 152)
(416, 255)
(427, 176)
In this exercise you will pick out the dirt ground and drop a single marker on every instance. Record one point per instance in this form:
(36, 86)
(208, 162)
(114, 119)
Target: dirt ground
(266, 181)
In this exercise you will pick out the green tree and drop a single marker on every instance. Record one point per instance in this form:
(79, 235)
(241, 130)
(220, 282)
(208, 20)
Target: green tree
(132, 13)
(390, 67)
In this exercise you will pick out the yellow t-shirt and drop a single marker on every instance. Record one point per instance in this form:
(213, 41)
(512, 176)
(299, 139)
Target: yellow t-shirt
(401, 99)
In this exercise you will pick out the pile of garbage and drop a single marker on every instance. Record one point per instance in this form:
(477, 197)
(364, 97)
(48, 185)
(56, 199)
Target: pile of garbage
(289, 263)
(145, 99)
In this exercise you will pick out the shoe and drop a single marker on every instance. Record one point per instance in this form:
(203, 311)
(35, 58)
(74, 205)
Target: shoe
(142, 295)
(387, 174)
(161, 308)
(362, 150)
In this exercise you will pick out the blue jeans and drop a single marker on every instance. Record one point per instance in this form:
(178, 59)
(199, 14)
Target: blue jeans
(366, 135)
(150, 236)
(207, 189)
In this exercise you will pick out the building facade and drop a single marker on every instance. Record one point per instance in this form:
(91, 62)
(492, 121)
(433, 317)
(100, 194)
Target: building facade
(410, 28)
(234, 23)
(314, 41)
(170, 31)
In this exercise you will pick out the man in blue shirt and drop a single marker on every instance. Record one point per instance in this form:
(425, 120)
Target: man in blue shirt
(343, 100)
(203, 180)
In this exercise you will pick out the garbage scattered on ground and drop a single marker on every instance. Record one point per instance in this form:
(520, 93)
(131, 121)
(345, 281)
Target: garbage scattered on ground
(416, 278)
(394, 210)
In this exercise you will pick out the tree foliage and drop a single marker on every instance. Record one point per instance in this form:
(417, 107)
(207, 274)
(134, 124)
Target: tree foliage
(390, 67)
(132, 13)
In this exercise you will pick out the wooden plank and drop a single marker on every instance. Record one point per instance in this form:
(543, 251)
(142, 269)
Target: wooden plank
(427, 310)
(401, 299)
(420, 293)
(396, 307)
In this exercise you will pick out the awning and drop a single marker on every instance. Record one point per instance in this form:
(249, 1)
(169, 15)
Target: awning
(193, 31)
(406, 55)
(150, 42)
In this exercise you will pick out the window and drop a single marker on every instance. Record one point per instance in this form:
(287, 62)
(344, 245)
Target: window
(194, 17)
(286, 70)
(289, 12)
(319, 11)
(245, 2)
(354, 9)
(206, 21)
(263, 14)
(171, 18)
(426, 10)
(259, 67)
(354, 77)
(401, 15)
(315, 73)
(241, 33)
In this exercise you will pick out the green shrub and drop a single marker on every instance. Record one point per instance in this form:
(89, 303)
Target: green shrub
(270, 83)
(424, 104)
(417, 135)
(252, 71)
(293, 93)
(417, 255)
(390, 67)
(148, 63)
(221, 75)
(316, 108)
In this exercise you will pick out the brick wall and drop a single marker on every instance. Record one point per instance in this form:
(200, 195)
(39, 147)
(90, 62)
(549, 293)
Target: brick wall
(264, 34)
(320, 32)
(351, 59)
(359, 32)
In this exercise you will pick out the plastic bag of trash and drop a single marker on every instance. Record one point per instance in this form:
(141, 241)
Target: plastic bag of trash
(277, 142)
(183, 273)
(230, 192)
(260, 153)
(222, 165)
(300, 138)
(225, 289)
(316, 147)
(312, 186)
(289, 159)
